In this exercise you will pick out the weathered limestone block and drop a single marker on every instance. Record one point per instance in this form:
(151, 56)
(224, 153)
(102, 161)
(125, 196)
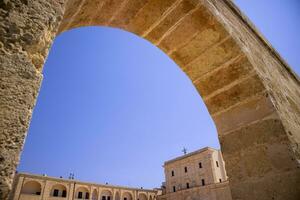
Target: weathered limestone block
(29, 26)
(27, 29)
(252, 95)
(263, 169)
(280, 81)
(19, 85)
(280, 186)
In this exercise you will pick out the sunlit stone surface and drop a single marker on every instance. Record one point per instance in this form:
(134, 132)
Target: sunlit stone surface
(250, 92)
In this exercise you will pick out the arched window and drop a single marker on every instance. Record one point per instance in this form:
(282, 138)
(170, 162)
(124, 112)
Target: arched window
(127, 196)
(106, 195)
(142, 196)
(32, 187)
(82, 193)
(58, 190)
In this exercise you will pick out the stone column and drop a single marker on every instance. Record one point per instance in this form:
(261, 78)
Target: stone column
(135, 196)
(46, 191)
(100, 190)
(18, 188)
(26, 32)
(112, 194)
(70, 192)
(259, 136)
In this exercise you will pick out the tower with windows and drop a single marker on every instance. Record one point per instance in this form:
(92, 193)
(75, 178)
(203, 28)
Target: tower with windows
(198, 174)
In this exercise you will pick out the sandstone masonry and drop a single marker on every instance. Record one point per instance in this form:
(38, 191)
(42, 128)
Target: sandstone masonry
(251, 93)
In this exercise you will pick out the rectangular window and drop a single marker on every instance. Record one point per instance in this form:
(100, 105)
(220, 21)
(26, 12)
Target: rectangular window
(38, 193)
(108, 198)
(217, 163)
(79, 195)
(103, 197)
(64, 193)
(173, 173)
(185, 169)
(187, 185)
(174, 189)
(55, 192)
(125, 198)
(200, 165)
(87, 195)
(220, 180)
(203, 182)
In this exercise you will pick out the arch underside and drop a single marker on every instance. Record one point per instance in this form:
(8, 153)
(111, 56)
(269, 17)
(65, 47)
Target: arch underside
(239, 93)
(251, 94)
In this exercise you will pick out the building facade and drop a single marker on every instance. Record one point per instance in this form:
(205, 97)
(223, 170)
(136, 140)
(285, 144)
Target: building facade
(198, 175)
(36, 187)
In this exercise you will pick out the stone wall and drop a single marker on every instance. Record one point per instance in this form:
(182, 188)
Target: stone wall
(250, 92)
(268, 147)
(176, 176)
(27, 28)
(219, 191)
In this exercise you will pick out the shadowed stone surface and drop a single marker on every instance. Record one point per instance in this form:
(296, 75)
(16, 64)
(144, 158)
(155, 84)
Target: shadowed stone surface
(252, 95)
(19, 85)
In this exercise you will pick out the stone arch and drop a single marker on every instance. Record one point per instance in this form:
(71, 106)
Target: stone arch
(32, 187)
(127, 196)
(107, 194)
(61, 190)
(250, 92)
(95, 194)
(82, 193)
(142, 196)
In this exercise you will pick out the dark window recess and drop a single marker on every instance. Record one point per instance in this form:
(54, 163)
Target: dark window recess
(38, 193)
(185, 169)
(108, 198)
(174, 189)
(217, 163)
(187, 185)
(103, 197)
(203, 182)
(200, 165)
(173, 173)
(87, 195)
(64, 193)
(220, 180)
(79, 195)
(125, 198)
(55, 192)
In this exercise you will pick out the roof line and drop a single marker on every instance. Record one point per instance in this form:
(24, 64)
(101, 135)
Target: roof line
(81, 182)
(189, 154)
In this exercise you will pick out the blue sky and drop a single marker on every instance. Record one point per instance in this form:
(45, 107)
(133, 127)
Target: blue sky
(112, 107)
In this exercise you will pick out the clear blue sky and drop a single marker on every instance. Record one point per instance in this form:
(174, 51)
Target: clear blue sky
(113, 107)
